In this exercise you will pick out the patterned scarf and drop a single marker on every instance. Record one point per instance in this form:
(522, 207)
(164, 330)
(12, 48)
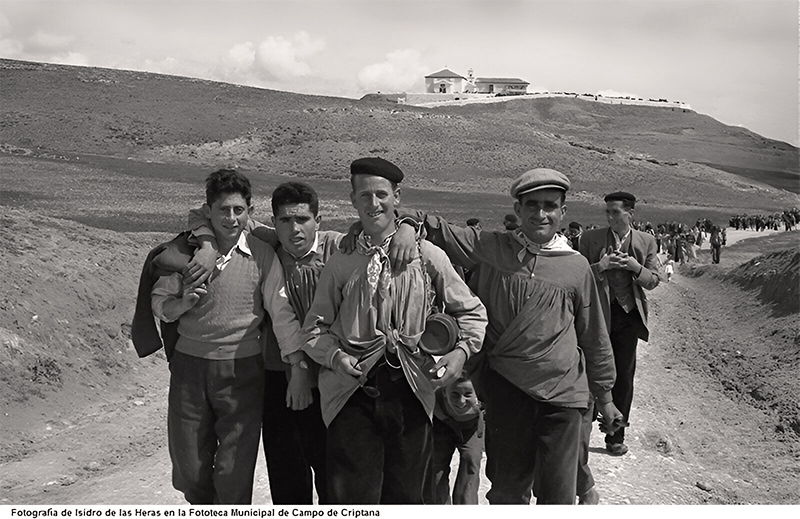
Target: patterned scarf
(379, 269)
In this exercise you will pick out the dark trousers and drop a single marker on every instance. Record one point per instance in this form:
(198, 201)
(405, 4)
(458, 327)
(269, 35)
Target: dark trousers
(624, 334)
(380, 448)
(468, 479)
(214, 426)
(715, 252)
(530, 445)
(585, 480)
(294, 444)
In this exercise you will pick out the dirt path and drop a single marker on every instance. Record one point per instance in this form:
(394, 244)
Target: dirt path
(693, 439)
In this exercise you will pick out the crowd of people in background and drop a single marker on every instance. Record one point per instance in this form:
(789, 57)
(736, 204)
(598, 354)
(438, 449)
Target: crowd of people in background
(679, 242)
(760, 222)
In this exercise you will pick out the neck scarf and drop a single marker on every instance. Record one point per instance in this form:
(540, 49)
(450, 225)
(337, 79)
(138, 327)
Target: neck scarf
(558, 245)
(379, 269)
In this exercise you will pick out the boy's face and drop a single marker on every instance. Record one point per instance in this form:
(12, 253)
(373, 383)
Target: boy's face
(462, 397)
(228, 215)
(296, 227)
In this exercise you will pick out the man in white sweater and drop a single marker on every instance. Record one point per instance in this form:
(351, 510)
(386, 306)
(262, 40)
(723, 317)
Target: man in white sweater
(217, 371)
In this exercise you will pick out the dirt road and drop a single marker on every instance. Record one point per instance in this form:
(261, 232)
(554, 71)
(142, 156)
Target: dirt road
(694, 438)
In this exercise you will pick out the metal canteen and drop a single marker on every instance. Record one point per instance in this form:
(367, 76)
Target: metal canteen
(440, 335)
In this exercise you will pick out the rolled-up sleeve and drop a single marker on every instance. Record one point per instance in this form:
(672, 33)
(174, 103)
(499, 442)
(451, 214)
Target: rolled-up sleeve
(285, 324)
(165, 289)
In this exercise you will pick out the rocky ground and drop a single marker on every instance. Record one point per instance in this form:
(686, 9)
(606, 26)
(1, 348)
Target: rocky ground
(82, 420)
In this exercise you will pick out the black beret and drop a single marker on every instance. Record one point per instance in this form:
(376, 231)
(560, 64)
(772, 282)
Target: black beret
(574, 225)
(511, 218)
(378, 167)
(473, 221)
(622, 196)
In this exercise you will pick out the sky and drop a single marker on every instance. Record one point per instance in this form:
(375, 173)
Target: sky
(734, 60)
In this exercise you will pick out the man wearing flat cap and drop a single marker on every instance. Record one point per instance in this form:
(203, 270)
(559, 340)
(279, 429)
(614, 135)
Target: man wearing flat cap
(546, 348)
(625, 264)
(364, 328)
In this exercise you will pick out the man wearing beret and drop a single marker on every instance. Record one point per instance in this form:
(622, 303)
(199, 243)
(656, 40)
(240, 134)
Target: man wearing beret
(625, 264)
(546, 348)
(364, 327)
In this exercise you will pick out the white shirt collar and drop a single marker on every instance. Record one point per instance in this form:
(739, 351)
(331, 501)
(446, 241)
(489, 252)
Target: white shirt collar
(241, 244)
(621, 240)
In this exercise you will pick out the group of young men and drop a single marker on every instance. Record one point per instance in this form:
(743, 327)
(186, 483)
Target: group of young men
(278, 329)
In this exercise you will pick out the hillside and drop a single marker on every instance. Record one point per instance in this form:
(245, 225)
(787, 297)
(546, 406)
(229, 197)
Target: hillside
(61, 111)
(660, 134)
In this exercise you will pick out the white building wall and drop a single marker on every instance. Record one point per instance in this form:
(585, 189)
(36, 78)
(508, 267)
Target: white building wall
(452, 85)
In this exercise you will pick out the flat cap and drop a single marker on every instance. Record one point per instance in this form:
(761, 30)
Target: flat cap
(574, 225)
(378, 167)
(539, 178)
(621, 196)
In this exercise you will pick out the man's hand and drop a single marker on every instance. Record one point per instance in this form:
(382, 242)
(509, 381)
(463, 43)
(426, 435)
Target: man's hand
(346, 364)
(452, 364)
(605, 262)
(403, 247)
(622, 260)
(202, 265)
(610, 417)
(348, 242)
(298, 394)
(191, 294)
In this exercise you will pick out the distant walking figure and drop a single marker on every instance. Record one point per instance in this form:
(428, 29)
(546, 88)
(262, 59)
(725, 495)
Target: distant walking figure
(716, 244)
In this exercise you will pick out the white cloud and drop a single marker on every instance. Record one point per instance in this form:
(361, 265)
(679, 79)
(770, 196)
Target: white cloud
(614, 93)
(10, 48)
(242, 56)
(5, 24)
(401, 71)
(277, 58)
(70, 58)
(173, 66)
(46, 41)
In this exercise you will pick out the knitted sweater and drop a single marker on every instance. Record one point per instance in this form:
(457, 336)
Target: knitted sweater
(227, 321)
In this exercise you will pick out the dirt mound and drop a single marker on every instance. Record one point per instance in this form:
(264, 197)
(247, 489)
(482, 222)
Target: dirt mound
(65, 307)
(755, 351)
(776, 276)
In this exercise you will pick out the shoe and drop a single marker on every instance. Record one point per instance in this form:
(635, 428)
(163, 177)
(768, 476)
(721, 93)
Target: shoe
(616, 449)
(590, 497)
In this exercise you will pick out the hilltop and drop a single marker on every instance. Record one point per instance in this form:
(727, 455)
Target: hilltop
(63, 112)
